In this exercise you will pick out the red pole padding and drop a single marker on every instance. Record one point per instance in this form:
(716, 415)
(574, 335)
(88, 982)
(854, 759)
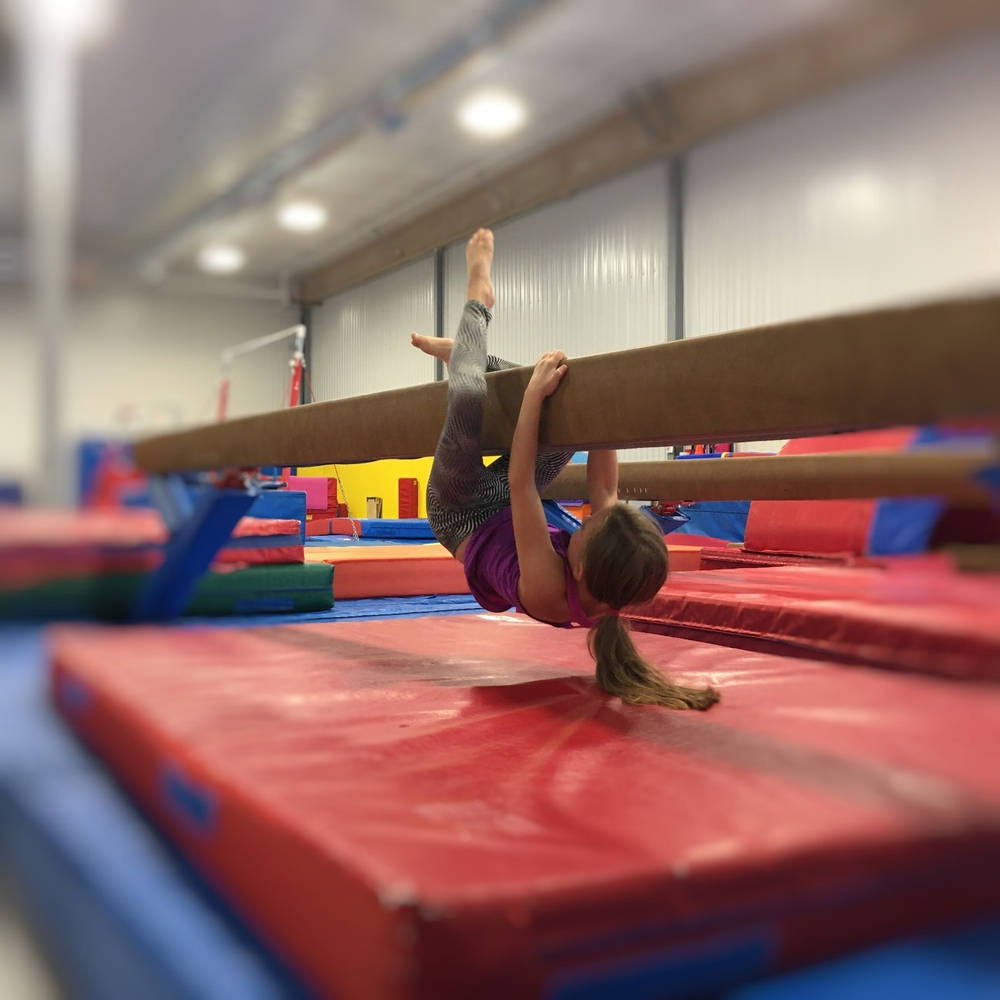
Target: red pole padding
(295, 385)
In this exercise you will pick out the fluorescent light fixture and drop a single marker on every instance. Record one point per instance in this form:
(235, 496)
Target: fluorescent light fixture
(302, 216)
(68, 23)
(221, 258)
(492, 114)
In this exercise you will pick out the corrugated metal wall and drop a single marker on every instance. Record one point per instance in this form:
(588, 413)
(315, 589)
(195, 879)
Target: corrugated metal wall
(361, 338)
(884, 193)
(587, 274)
(881, 194)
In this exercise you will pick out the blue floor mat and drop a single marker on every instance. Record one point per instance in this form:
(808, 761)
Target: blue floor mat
(119, 914)
(368, 607)
(961, 965)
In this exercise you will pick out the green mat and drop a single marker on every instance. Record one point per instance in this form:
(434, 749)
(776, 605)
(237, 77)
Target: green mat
(110, 596)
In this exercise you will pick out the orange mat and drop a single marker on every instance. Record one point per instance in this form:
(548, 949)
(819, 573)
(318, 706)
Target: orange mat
(410, 570)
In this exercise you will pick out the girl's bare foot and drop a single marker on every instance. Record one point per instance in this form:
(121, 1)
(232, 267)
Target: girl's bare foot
(478, 262)
(436, 347)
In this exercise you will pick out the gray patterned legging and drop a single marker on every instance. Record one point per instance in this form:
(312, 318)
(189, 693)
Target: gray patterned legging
(462, 493)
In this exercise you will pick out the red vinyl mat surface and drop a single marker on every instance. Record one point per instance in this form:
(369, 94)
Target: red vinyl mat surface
(915, 615)
(449, 806)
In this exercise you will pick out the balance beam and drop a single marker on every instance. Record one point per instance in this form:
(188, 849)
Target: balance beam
(918, 365)
(831, 476)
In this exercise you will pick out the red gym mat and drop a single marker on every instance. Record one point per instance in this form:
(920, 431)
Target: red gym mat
(391, 570)
(448, 807)
(918, 615)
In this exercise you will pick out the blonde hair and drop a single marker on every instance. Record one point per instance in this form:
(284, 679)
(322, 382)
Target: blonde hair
(625, 563)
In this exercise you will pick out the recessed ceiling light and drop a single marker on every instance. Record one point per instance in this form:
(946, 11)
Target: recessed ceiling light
(65, 22)
(492, 114)
(302, 216)
(221, 258)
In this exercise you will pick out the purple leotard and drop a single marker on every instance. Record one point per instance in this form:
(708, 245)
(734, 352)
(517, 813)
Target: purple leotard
(493, 572)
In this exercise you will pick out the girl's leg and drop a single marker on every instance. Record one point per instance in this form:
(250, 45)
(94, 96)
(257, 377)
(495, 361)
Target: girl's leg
(548, 465)
(495, 364)
(456, 487)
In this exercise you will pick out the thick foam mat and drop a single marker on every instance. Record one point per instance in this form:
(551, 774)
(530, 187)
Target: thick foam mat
(449, 807)
(921, 615)
(391, 570)
(112, 596)
(403, 528)
(38, 546)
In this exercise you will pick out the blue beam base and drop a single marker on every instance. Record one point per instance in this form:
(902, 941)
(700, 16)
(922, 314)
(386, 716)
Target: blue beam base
(198, 529)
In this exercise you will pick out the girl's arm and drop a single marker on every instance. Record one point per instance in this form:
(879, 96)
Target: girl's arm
(542, 588)
(602, 479)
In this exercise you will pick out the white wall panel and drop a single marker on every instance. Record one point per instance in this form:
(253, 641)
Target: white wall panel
(881, 194)
(134, 362)
(153, 360)
(361, 337)
(587, 274)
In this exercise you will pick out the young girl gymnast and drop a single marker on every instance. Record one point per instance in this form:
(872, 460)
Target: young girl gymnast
(492, 520)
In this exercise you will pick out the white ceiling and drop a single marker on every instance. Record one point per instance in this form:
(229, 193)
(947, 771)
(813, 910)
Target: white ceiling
(186, 99)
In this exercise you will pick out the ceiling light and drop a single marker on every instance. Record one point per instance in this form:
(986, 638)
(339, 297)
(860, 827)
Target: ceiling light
(302, 216)
(221, 258)
(492, 114)
(70, 23)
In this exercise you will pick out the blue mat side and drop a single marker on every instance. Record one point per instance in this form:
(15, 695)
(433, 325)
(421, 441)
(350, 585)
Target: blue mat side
(121, 916)
(725, 519)
(961, 965)
(905, 525)
(402, 527)
(282, 504)
(369, 607)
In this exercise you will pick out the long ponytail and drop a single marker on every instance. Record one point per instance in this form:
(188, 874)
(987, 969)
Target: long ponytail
(623, 672)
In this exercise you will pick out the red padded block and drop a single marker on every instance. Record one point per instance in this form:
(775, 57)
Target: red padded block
(409, 501)
(827, 526)
(392, 570)
(320, 527)
(735, 557)
(917, 615)
(344, 526)
(683, 557)
(449, 807)
(258, 557)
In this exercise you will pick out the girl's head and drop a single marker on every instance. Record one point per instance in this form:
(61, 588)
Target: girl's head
(622, 560)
